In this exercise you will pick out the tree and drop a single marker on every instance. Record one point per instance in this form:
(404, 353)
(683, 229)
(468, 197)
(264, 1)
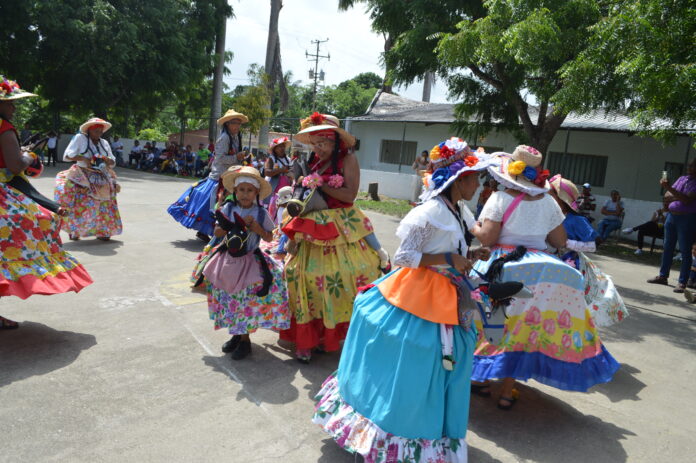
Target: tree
(641, 59)
(364, 80)
(496, 57)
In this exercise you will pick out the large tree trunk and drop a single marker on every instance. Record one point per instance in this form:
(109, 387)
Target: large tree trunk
(216, 101)
(272, 67)
(428, 80)
(387, 84)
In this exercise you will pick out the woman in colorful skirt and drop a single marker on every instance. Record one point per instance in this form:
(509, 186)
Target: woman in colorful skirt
(401, 392)
(237, 297)
(88, 189)
(606, 305)
(32, 260)
(194, 209)
(551, 337)
(332, 258)
(277, 169)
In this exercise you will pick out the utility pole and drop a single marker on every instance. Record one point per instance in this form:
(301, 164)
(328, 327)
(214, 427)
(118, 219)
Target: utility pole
(315, 74)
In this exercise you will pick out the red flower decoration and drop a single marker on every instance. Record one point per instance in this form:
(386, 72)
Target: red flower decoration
(471, 161)
(541, 177)
(6, 87)
(317, 118)
(446, 152)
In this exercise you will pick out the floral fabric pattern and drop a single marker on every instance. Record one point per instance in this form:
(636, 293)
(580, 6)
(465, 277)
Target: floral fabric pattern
(31, 250)
(91, 201)
(357, 434)
(324, 276)
(606, 305)
(245, 312)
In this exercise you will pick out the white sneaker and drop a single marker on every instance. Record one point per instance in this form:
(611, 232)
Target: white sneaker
(638, 252)
(627, 230)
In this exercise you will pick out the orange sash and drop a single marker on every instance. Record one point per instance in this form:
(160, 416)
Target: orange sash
(423, 293)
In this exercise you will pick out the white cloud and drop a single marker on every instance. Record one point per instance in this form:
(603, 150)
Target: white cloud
(353, 46)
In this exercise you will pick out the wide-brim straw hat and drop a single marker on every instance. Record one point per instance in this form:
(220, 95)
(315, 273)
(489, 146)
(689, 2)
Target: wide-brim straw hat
(94, 121)
(10, 90)
(525, 160)
(444, 157)
(230, 177)
(317, 122)
(232, 114)
(566, 191)
(280, 141)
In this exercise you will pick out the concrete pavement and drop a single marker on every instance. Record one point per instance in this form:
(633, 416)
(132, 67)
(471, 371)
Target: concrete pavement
(130, 369)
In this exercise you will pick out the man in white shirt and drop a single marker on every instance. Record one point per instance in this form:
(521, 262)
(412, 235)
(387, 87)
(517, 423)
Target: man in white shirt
(135, 154)
(52, 147)
(117, 150)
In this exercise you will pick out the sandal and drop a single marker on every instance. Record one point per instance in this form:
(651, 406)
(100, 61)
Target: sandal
(510, 400)
(303, 355)
(7, 324)
(482, 390)
(680, 288)
(658, 280)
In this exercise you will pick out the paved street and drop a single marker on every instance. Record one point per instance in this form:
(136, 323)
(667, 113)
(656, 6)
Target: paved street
(130, 369)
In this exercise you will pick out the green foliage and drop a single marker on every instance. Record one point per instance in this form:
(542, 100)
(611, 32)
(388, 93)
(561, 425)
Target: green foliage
(151, 135)
(642, 59)
(346, 99)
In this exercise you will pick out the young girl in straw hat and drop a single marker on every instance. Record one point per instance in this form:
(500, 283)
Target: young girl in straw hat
(194, 208)
(32, 259)
(606, 305)
(234, 283)
(550, 337)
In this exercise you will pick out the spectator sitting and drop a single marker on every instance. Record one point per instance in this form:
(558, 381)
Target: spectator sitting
(586, 202)
(189, 158)
(612, 211)
(202, 156)
(211, 145)
(168, 164)
(179, 160)
(651, 228)
(135, 154)
(148, 159)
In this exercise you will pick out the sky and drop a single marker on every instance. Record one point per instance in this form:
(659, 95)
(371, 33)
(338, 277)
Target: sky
(352, 45)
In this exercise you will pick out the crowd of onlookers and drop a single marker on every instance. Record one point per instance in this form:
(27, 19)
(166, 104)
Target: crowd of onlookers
(169, 157)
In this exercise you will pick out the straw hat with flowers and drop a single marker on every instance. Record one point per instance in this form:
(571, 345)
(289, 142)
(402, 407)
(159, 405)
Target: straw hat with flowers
(316, 123)
(522, 171)
(236, 175)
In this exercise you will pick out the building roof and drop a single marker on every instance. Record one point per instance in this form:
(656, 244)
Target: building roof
(387, 107)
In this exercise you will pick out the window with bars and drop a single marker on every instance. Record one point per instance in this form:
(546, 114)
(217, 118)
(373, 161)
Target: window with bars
(579, 168)
(390, 152)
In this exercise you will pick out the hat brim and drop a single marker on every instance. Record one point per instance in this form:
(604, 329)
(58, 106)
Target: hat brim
(17, 96)
(484, 163)
(516, 182)
(303, 135)
(229, 177)
(230, 117)
(287, 144)
(564, 196)
(85, 127)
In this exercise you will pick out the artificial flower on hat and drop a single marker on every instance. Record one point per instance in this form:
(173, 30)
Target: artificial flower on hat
(522, 170)
(10, 90)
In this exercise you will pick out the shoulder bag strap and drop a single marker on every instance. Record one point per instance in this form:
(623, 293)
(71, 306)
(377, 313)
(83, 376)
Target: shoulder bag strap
(511, 208)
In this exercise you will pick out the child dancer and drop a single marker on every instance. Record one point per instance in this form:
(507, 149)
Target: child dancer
(242, 295)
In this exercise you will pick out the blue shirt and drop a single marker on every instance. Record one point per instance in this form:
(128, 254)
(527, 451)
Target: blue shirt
(578, 228)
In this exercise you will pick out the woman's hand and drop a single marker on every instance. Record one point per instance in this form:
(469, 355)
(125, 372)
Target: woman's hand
(462, 264)
(62, 211)
(482, 253)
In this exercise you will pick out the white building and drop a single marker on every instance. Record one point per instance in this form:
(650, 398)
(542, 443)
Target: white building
(598, 149)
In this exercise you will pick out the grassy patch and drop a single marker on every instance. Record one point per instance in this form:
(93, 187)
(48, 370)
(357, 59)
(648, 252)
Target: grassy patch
(389, 206)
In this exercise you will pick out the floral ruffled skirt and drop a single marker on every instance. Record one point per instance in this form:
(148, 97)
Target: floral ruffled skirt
(90, 197)
(32, 259)
(332, 261)
(551, 337)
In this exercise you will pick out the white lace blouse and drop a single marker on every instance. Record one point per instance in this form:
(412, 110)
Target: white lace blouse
(82, 145)
(529, 223)
(430, 228)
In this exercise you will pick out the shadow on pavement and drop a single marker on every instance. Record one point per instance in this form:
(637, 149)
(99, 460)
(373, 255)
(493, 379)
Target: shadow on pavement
(94, 246)
(332, 453)
(36, 349)
(642, 323)
(537, 418)
(193, 245)
(624, 385)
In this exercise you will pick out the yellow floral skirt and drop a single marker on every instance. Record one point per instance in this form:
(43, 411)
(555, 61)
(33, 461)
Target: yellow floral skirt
(332, 262)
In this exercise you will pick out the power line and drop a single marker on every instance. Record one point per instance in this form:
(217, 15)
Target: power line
(315, 74)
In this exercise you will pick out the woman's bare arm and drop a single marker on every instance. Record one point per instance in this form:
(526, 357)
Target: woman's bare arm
(15, 160)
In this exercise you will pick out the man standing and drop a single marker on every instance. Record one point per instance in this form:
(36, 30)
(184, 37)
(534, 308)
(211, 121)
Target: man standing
(52, 147)
(586, 202)
(117, 150)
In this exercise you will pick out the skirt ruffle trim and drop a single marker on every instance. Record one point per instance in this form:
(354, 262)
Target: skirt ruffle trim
(552, 372)
(312, 334)
(357, 434)
(74, 280)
